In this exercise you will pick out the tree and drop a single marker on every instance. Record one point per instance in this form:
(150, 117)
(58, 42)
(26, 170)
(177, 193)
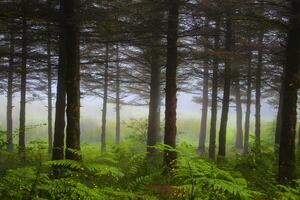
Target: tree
(290, 84)
(171, 86)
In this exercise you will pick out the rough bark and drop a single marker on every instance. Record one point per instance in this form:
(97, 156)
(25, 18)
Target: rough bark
(290, 84)
(9, 107)
(258, 94)
(171, 85)
(118, 108)
(239, 116)
(104, 106)
(248, 105)
(154, 104)
(71, 10)
(203, 125)
(214, 97)
(23, 83)
(226, 91)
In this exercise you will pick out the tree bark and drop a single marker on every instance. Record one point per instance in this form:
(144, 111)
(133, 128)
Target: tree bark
(239, 115)
(23, 82)
(49, 92)
(154, 105)
(214, 97)
(71, 11)
(203, 125)
(9, 108)
(248, 105)
(171, 85)
(258, 94)
(226, 90)
(104, 106)
(118, 108)
(287, 161)
(278, 121)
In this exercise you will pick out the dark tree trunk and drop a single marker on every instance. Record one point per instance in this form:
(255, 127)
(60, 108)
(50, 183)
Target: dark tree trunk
(9, 120)
(23, 84)
(214, 97)
(226, 92)
(118, 108)
(203, 125)
(239, 116)
(49, 75)
(248, 106)
(104, 107)
(71, 10)
(287, 161)
(59, 125)
(171, 85)
(258, 94)
(154, 105)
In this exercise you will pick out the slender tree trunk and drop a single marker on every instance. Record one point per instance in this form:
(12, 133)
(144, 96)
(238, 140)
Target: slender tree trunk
(9, 120)
(214, 97)
(23, 84)
(118, 121)
(239, 115)
(104, 107)
(72, 79)
(298, 138)
(154, 105)
(248, 106)
(49, 75)
(171, 85)
(226, 94)
(278, 121)
(59, 125)
(258, 94)
(203, 126)
(287, 160)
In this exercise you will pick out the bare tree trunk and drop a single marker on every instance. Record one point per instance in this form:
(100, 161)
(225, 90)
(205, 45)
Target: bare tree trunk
(226, 94)
(171, 85)
(278, 121)
(203, 126)
(214, 97)
(258, 94)
(118, 121)
(72, 79)
(248, 106)
(23, 83)
(104, 107)
(239, 115)
(59, 124)
(154, 105)
(49, 75)
(9, 120)
(287, 160)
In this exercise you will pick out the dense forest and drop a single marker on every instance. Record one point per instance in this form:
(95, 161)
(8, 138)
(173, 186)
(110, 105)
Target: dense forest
(235, 63)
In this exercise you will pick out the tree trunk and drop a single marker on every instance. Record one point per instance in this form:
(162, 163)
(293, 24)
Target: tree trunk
(287, 161)
(278, 121)
(49, 75)
(258, 94)
(72, 79)
(214, 97)
(154, 105)
(171, 85)
(9, 119)
(203, 126)
(226, 94)
(104, 107)
(118, 121)
(239, 115)
(23, 84)
(248, 106)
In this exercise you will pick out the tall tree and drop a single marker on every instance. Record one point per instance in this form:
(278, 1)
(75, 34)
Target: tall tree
(171, 85)
(118, 106)
(290, 84)
(71, 15)
(239, 113)
(49, 91)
